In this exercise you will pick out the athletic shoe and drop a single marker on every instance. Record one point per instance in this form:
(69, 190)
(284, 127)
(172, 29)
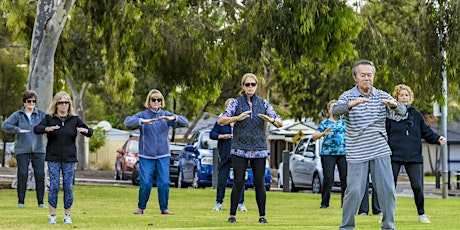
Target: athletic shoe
(231, 220)
(42, 206)
(380, 217)
(139, 211)
(20, 205)
(242, 207)
(263, 220)
(363, 214)
(218, 207)
(424, 219)
(51, 219)
(67, 219)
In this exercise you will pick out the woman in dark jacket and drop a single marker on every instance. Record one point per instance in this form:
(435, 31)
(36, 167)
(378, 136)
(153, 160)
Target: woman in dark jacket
(61, 126)
(405, 140)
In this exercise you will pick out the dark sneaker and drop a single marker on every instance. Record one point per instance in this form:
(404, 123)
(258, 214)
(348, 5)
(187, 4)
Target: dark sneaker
(231, 220)
(323, 206)
(262, 220)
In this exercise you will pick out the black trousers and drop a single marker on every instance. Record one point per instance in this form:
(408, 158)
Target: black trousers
(240, 165)
(415, 173)
(328, 162)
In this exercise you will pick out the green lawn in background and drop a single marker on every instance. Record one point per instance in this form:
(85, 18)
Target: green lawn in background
(107, 207)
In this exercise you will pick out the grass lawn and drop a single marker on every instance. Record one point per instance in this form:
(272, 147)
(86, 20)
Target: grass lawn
(106, 207)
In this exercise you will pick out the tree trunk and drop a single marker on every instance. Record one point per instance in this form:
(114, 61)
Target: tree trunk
(49, 22)
(78, 101)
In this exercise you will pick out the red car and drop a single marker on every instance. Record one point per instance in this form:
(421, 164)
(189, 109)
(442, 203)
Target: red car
(127, 158)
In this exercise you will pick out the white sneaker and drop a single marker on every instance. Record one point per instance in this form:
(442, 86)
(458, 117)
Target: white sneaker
(381, 217)
(242, 207)
(424, 219)
(218, 207)
(67, 219)
(51, 219)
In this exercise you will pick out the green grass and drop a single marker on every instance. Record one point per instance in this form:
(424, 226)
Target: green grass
(105, 207)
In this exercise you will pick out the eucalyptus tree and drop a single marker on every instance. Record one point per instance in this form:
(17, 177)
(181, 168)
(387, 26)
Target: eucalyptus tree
(297, 46)
(403, 39)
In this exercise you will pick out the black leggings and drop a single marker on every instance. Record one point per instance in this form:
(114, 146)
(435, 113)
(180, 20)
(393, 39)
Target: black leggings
(415, 173)
(239, 170)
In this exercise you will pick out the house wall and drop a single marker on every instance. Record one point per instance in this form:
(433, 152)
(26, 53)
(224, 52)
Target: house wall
(107, 154)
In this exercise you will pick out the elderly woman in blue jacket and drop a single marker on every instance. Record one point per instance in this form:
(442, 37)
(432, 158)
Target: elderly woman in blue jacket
(405, 140)
(154, 151)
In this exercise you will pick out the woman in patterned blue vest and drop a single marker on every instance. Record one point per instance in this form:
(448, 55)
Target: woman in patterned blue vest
(249, 145)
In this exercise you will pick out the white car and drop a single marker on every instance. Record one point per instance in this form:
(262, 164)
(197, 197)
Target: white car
(305, 169)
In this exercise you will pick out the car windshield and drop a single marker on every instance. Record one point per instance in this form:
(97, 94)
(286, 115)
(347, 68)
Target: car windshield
(133, 146)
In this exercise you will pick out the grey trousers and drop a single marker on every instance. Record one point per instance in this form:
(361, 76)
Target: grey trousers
(382, 180)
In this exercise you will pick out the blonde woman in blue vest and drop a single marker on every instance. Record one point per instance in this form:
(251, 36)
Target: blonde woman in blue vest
(249, 113)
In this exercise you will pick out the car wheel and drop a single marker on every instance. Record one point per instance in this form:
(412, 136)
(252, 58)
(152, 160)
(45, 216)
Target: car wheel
(316, 184)
(292, 186)
(180, 180)
(196, 181)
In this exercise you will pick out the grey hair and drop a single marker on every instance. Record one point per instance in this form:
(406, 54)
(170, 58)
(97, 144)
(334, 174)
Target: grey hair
(362, 62)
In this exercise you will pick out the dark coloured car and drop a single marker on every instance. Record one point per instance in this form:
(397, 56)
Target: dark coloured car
(175, 149)
(196, 164)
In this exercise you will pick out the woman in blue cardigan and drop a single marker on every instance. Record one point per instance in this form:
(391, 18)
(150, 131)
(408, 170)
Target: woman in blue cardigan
(405, 140)
(154, 154)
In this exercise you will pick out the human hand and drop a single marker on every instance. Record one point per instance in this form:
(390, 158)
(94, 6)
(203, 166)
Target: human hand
(148, 121)
(327, 131)
(24, 131)
(390, 103)
(266, 118)
(167, 118)
(82, 130)
(52, 128)
(243, 115)
(358, 101)
(442, 140)
(225, 136)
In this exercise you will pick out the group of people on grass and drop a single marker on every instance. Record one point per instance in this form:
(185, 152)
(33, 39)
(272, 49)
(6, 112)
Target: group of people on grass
(367, 131)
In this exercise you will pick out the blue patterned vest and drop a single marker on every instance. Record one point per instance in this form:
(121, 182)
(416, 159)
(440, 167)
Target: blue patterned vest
(249, 134)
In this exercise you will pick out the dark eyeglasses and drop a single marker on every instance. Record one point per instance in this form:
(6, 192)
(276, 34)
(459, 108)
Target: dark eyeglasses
(30, 101)
(156, 99)
(253, 84)
(63, 102)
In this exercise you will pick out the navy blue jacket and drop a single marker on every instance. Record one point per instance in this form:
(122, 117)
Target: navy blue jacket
(223, 145)
(405, 136)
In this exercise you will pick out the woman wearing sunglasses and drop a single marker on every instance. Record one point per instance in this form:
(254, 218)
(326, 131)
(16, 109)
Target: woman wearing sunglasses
(28, 146)
(154, 154)
(61, 126)
(249, 113)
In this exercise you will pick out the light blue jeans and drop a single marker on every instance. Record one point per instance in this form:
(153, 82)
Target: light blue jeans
(146, 169)
(382, 180)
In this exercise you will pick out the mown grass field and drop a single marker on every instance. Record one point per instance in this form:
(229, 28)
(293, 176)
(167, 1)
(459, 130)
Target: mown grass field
(106, 207)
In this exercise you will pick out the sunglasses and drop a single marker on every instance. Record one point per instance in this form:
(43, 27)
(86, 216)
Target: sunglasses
(63, 102)
(253, 84)
(30, 101)
(156, 99)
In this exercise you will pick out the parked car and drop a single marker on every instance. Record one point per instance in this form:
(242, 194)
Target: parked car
(127, 158)
(196, 164)
(305, 169)
(175, 149)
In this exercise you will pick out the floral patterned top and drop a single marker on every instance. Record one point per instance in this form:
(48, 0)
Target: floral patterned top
(334, 143)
